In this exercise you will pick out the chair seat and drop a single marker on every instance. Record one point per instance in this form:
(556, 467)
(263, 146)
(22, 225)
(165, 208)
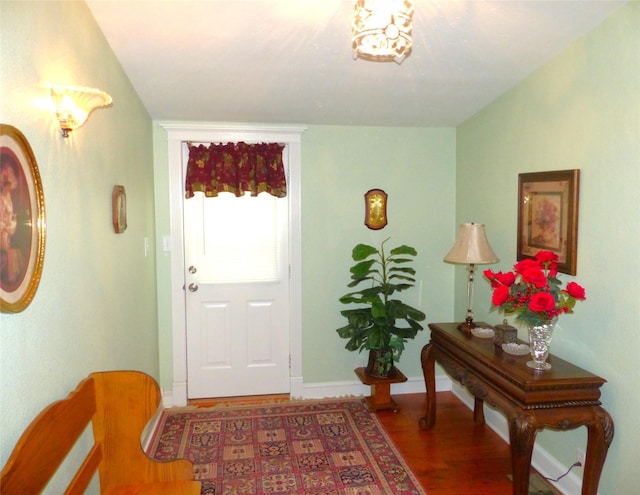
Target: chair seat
(182, 487)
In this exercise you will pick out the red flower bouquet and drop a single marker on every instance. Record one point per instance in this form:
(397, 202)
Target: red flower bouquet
(532, 292)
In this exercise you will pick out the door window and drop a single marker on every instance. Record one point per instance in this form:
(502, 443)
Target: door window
(243, 246)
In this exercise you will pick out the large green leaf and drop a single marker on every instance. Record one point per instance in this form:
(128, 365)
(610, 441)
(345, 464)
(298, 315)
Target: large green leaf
(362, 251)
(400, 260)
(361, 269)
(397, 344)
(378, 338)
(354, 344)
(378, 309)
(374, 291)
(351, 298)
(400, 287)
(404, 250)
(358, 280)
(403, 269)
(345, 332)
(413, 313)
(406, 333)
(359, 317)
(369, 297)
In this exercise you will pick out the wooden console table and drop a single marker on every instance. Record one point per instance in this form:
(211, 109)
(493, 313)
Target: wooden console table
(563, 398)
(380, 390)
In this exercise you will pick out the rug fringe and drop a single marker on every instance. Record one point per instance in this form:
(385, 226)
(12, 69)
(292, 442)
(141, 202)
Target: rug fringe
(257, 401)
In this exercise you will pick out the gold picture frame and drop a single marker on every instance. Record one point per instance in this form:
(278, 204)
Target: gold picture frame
(119, 209)
(375, 209)
(22, 221)
(548, 216)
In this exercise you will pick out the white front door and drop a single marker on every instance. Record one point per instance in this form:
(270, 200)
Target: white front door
(237, 295)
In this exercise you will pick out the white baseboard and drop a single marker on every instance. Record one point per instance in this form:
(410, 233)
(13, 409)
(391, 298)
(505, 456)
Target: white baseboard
(301, 390)
(176, 397)
(543, 462)
(297, 387)
(355, 388)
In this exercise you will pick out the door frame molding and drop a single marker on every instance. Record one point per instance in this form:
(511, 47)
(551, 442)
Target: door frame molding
(179, 133)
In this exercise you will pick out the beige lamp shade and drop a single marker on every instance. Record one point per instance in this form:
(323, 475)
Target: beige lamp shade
(471, 246)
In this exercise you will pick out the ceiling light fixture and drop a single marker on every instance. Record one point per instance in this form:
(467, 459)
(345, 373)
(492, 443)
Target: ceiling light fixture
(382, 30)
(74, 104)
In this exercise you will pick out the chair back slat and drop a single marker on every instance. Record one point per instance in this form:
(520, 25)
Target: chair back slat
(47, 441)
(83, 477)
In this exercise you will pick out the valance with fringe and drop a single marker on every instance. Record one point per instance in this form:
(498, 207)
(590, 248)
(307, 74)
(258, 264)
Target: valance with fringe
(236, 168)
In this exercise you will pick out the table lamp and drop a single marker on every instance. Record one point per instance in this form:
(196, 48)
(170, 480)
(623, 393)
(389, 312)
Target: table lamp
(471, 248)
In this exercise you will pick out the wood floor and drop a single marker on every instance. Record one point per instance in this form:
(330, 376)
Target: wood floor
(454, 458)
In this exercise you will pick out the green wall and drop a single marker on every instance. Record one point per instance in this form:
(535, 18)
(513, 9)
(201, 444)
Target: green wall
(416, 168)
(95, 308)
(579, 111)
(96, 305)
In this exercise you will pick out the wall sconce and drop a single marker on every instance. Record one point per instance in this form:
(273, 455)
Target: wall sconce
(74, 104)
(382, 30)
(471, 248)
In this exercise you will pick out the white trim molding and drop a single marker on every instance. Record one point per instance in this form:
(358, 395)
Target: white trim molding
(179, 133)
(349, 388)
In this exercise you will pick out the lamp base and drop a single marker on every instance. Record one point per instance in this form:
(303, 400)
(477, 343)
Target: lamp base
(467, 325)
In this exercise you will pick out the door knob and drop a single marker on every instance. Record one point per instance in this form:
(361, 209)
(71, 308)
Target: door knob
(192, 269)
(193, 287)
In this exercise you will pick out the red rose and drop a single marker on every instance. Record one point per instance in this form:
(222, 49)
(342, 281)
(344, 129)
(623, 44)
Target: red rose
(526, 264)
(534, 276)
(576, 291)
(491, 277)
(500, 295)
(542, 301)
(546, 256)
(507, 279)
(499, 278)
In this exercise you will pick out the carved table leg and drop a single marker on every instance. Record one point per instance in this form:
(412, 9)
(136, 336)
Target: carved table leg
(600, 436)
(478, 411)
(522, 436)
(428, 369)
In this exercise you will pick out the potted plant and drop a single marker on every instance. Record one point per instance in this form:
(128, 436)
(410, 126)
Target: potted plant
(380, 324)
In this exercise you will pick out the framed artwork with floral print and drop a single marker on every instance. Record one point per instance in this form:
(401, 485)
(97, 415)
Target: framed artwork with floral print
(22, 221)
(548, 216)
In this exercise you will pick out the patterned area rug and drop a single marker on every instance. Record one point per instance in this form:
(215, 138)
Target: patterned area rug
(307, 448)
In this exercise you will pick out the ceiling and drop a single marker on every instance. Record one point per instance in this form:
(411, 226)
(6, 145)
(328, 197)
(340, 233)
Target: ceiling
(290, 61)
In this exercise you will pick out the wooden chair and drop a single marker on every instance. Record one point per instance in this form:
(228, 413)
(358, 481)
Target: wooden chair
(119, 404)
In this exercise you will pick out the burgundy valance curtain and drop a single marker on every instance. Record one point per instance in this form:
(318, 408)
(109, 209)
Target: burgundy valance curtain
(236, 168)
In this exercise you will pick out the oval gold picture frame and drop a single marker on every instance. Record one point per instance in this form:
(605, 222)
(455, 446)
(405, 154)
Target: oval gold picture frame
(119, 209)
(22, 221)
(375, 209)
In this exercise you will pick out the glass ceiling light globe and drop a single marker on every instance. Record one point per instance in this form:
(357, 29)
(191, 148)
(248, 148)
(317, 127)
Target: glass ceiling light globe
(382, 30)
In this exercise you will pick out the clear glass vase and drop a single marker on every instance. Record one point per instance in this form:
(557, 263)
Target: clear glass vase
(539, 342)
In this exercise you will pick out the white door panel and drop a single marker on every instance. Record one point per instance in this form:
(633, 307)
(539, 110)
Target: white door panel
(236, 310)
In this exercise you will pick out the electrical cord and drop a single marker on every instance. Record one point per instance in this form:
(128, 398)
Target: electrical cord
(575, 464)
